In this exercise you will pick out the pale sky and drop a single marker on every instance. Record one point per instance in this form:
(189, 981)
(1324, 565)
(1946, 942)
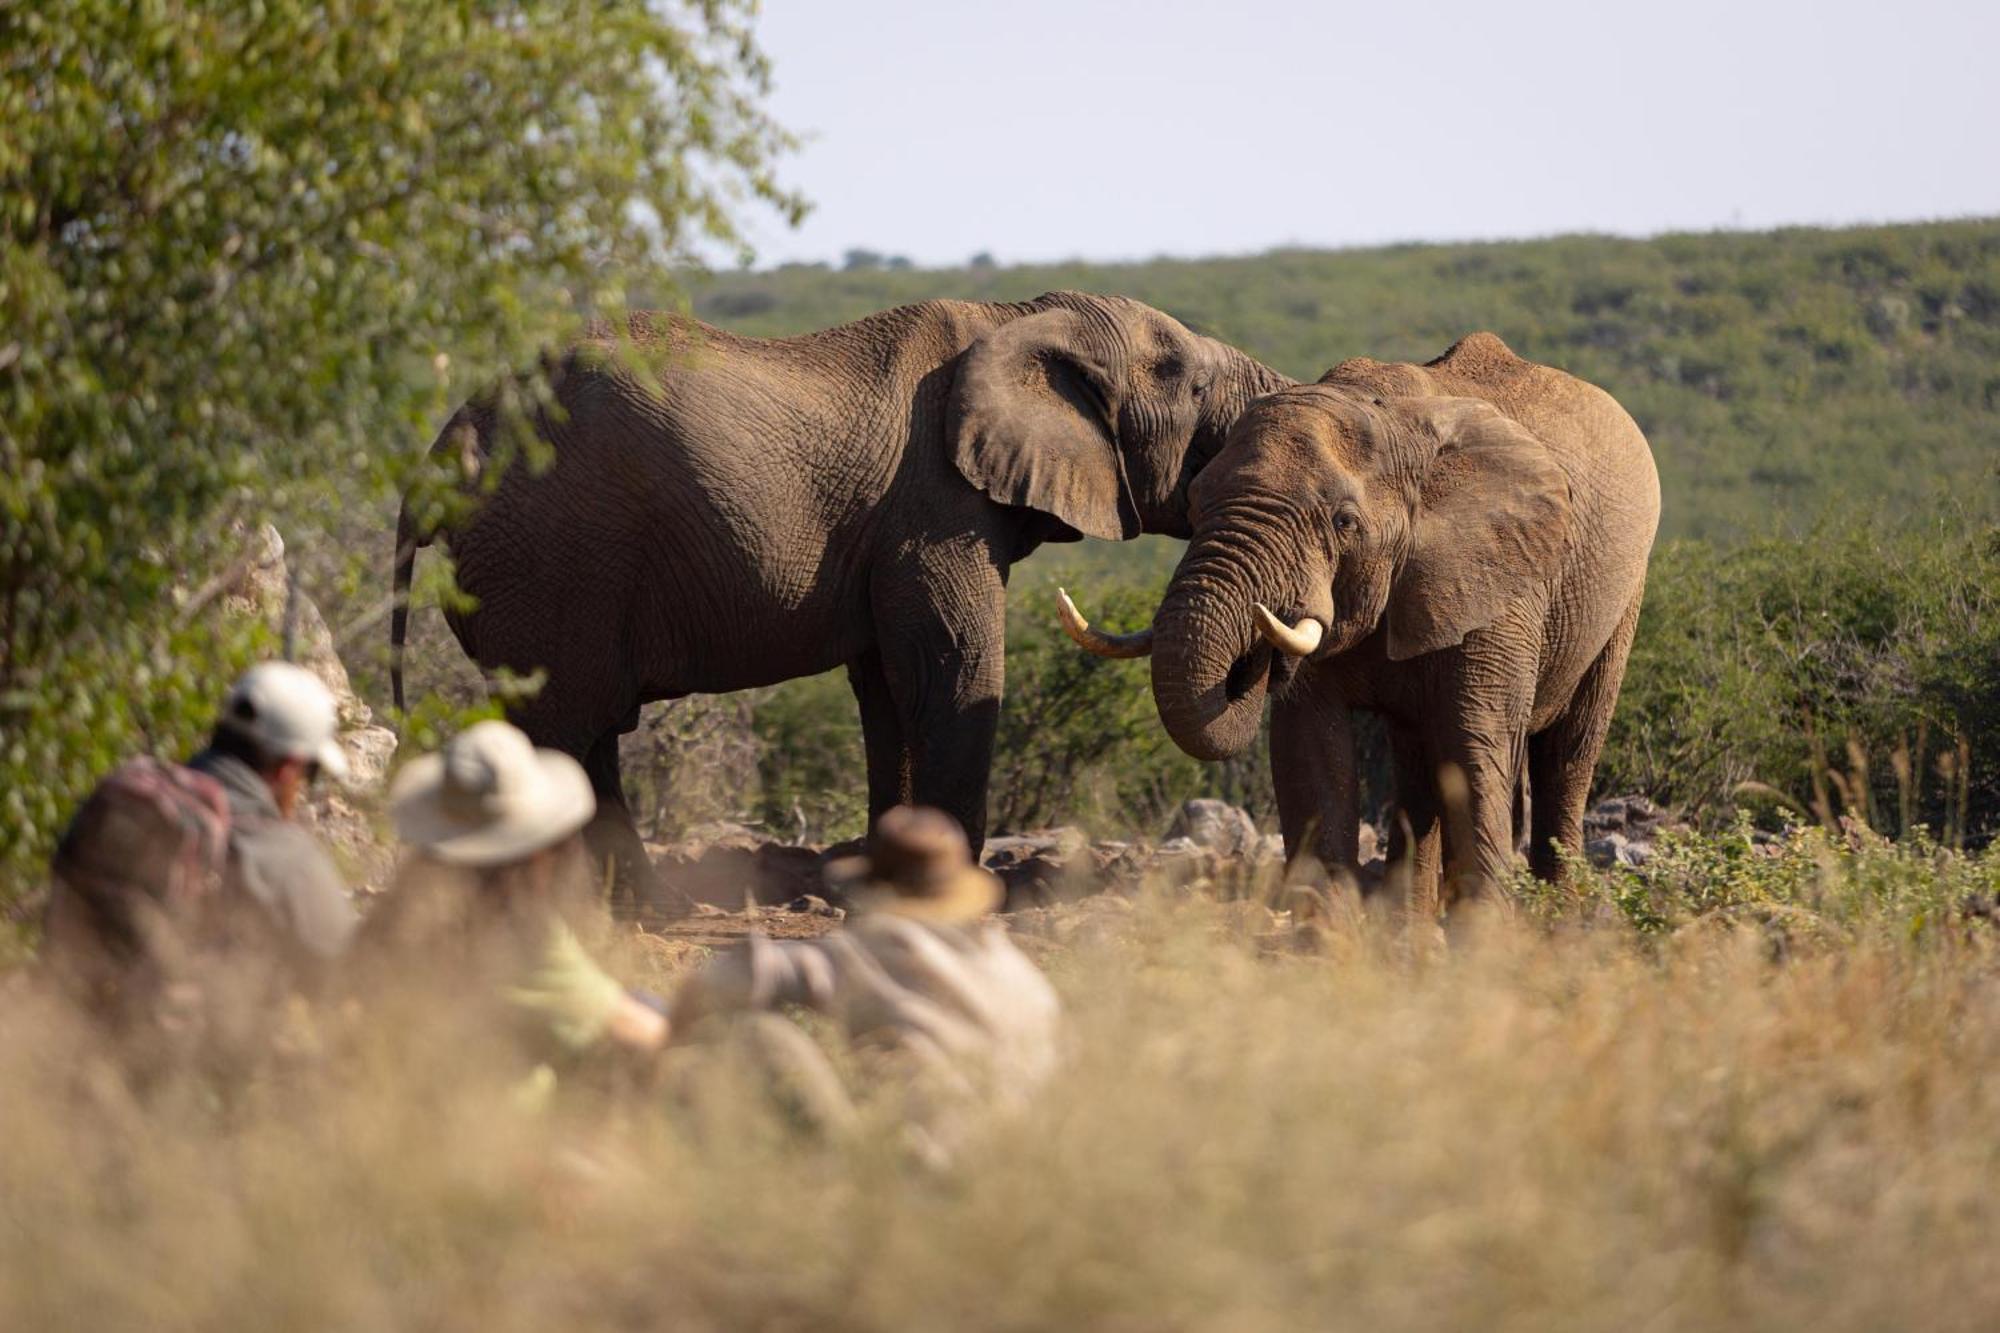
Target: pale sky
(1107, 129)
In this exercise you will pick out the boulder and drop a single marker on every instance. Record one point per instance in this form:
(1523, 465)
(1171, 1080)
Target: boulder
(732, 870)
(1215, 826)
(1605, 849)
(1043, 867)
(258, 587)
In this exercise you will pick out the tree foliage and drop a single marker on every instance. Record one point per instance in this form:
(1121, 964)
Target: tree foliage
(249, 254)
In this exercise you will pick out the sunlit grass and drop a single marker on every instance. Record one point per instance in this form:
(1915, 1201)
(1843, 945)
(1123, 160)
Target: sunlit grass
(1769, 1106)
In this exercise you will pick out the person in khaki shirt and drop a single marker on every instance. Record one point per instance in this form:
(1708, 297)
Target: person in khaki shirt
(924, 982)
(481, 920)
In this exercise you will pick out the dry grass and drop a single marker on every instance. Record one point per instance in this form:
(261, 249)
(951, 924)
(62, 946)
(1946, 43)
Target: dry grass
(1584, 1127)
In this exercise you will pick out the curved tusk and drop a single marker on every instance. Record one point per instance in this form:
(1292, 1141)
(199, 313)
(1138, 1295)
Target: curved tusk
(1299, 640)
(1096, 640)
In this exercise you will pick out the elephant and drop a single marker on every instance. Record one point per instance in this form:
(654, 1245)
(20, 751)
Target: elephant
(725, 512)
(1459, 547)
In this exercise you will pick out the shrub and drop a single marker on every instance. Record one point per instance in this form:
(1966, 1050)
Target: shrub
(249, 255)
(1850, 669)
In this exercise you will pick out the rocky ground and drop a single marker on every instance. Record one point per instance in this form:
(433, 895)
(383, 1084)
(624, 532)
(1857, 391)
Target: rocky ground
(729, 870)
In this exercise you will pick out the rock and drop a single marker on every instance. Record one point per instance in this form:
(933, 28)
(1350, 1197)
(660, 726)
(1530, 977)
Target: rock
(1216, 826)
(1270, 849)
(370, 750)
(737, 868)
(1180, 862)
(1607, 850)
(813, 905)
(722, 833)
(256, 586)
(260, 589)
(1041, 868)
(1606, 816)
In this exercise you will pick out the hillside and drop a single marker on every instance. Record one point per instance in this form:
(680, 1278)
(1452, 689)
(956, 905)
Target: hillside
(1778, 375)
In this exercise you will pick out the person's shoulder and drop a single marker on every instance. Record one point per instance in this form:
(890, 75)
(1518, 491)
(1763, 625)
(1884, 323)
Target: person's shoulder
(287, 857)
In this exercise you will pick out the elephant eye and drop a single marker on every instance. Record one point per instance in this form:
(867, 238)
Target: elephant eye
(1346, 522)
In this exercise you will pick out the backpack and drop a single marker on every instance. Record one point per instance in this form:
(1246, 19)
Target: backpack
(139, 873)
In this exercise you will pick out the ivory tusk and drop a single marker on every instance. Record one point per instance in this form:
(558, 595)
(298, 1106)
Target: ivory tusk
(1096, 640)
(1298, 640)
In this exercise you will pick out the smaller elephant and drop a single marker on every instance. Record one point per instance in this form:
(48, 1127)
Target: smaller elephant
(1460, 547)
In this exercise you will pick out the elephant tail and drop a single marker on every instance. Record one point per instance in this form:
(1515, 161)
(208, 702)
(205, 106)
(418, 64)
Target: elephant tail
(408, 539)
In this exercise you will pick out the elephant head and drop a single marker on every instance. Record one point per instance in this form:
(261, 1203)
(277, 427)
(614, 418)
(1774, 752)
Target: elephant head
(1097, 411)
(1331, 514)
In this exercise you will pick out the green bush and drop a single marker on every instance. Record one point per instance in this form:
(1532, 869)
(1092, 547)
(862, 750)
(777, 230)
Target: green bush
(1851, 670)
(249, 255)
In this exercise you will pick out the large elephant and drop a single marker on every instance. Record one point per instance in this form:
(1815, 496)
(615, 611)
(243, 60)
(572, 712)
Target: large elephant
(1460, 547)
(725, 512)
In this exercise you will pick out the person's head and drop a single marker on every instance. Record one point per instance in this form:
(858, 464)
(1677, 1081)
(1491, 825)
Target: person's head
(919, 865)
(493, 805)
(282, 721)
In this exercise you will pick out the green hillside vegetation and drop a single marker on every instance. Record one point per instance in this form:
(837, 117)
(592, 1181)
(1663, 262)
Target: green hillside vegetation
(1776, 373)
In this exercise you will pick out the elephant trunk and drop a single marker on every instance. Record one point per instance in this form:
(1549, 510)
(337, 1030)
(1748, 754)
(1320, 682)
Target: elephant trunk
(1211, 667)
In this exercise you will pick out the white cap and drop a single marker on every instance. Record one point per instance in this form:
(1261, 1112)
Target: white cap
(490, 797)
(288, 714)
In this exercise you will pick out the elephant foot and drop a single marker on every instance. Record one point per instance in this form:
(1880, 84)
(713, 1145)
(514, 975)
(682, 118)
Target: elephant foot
(634, 890)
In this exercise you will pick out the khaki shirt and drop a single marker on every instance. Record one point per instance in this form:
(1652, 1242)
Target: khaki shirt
(959, 1000)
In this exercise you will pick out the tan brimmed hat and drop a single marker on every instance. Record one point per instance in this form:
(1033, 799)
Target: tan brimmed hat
(490, 797)
(921, 867)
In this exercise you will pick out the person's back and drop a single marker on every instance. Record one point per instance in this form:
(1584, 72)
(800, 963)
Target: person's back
(923, 982)
(955, 998)
(180, 892)
(476, 939)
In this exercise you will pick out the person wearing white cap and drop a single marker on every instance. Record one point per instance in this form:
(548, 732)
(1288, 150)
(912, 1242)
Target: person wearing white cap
(184, 902)
(276, 734)
(498, 874)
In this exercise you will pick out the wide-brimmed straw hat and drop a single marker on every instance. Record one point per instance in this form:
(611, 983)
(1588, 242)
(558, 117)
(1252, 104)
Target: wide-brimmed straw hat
(921, 866)
(490, 797)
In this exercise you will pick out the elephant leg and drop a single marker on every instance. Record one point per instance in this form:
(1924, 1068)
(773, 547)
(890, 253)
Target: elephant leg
(1416, 851)
(1563, 758)
(1476, 776)
(612, 837)
(1482, 697)
(940, 629)
(1313, 775)
(881, 735)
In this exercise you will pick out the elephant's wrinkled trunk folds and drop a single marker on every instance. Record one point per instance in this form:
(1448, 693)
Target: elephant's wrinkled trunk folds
(1211, 666)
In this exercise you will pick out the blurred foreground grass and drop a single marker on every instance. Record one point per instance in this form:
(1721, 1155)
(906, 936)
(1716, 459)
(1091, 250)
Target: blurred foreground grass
(1747, 1088)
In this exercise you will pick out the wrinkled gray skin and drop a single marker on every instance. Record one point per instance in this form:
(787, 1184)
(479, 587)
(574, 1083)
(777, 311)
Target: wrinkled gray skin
(748, 511)
(1472, 537)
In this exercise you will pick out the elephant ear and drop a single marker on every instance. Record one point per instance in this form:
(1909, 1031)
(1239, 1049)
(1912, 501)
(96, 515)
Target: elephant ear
(1032, 423)
(1492, 519)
